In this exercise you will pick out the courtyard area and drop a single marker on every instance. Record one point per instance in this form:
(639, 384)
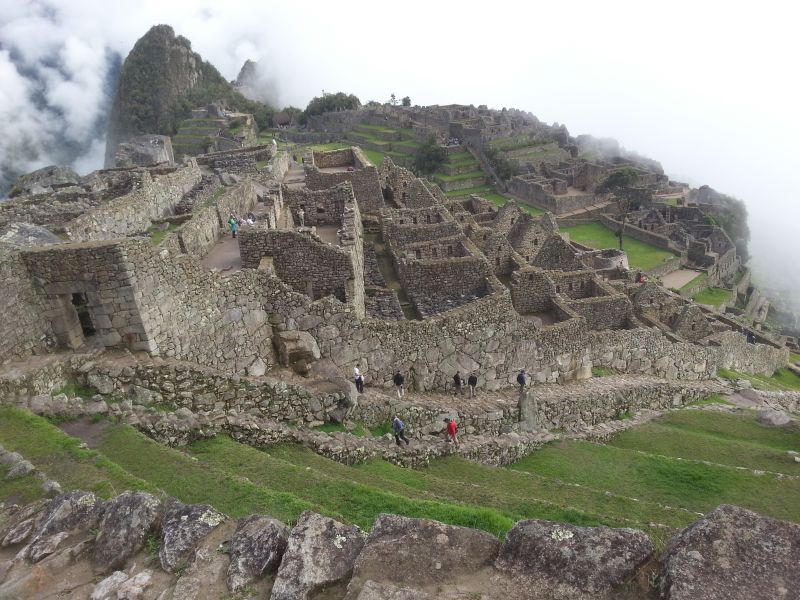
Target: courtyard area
(640, 255)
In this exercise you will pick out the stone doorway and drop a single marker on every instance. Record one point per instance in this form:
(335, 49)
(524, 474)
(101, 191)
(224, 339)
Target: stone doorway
(81, 305)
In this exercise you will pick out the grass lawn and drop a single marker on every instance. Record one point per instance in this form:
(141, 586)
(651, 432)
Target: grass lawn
(696, 281)
(781, 380)
(59, 456)
(713, 296)
(375, 157)
(358, 503)
(636, 472)
(468, 191)
(794, 357)
(330, 146)
(736, 440)
(640, 255)
(459, 177)
(194, 482)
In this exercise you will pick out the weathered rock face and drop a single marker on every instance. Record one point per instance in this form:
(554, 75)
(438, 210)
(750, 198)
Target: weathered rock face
(25, 234)
(773, 418)
(144, 150)
(256, 549)
(387, 591)
(733, 554)
(127, 521)
(574, 561)
(296, 349)
(321, 552)
(44, 180)
(69, 511)
(184, 526)
(421, 551)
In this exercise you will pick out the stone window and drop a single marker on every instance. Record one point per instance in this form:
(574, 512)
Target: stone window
(418, 253)
(512, 220)
(558, 289)
(435, 252)
(536, 241)
(497, 261)
(81, 304)
(428, 218)
(402, 222)
(485, 236)
(449, 251)
(569, 286)
(415, 218)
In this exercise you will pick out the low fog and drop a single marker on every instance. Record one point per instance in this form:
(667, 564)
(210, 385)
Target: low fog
(710, 91)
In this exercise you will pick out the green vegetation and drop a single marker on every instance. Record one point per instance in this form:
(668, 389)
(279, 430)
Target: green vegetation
(329, 146)
(158, 232)
(375, 157)
(794, 357)
(602, 372)
(735, 440)
(628, 195)
(713, 296)
(635, 471)
(429, 158)
(640, 255)
(460, 176)
(359, 503)
(193, 482)
(330, 103)
(359, 430)
(699, 279)
(59, 455)
(781, 380)
(504, 167)
(71, 390)
(712, 399)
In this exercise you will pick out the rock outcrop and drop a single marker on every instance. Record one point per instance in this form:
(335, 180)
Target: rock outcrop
(184, 526)
(542, 556)
(733, 554)
(44, 180)
(256, 549)
(127, 521)
(321, 552)
(144, 150)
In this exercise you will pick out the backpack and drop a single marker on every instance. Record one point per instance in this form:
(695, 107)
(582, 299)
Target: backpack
(521, 379)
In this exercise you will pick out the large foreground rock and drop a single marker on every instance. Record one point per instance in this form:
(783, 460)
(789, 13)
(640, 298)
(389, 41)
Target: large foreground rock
(183, 528)
(773, 418)
(557, 560)
(733, 554)
(127, 521)
(320, 553)
(69, 512)
(421, 552)
(256, 549)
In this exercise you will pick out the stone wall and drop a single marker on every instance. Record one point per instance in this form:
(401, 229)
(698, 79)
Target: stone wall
(153, 197)
(321, 207)
(604, 312)
(637, 233)
(402, 187)
(22, 330)
(365, 182)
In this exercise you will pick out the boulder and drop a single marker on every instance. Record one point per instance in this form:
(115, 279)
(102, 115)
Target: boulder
(387, 591)
(107, 588)
(773, 418)
(25, 235)
(420, 551)
(183, 528)
(320, 553)
(571, 561)
(70, 511)
(20, 469)
(256, 549)
(134, 588)
(296, 349)
(127, 521)
(44, 180)
(19, 533)
(733, 554)
(144, 150)
(257, 368)
(44, 546)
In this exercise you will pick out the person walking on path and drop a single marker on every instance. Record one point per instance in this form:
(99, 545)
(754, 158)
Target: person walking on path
(234, 225)
(399, 429)
(302, 214)
(457, 383)
(359, 379)
(452, 430)
(471, 383)
(521, 380)
(399, 384)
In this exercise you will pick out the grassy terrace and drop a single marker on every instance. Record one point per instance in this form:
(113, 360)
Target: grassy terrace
(696, 281)
(712, 296)
(460, 177)
(640, 255)
(781, 380)
(652, 477)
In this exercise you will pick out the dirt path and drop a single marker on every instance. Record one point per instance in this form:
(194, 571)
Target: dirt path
(91, 433)
(224, 257)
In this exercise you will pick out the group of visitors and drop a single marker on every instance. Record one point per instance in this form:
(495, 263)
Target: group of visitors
(472, 382)
(235, 222)
(399, 430)
(453, 141)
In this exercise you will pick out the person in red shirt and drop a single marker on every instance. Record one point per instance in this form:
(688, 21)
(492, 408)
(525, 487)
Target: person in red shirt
(452, 430)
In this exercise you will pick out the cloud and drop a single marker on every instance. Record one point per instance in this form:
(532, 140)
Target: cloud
(706, 88)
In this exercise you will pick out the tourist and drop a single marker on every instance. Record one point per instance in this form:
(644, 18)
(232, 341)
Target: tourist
(400, 384)
(302, 216)
(399, 429)
(234, 225)
(359, 379)
(452, 430)
(521, 380)
(457, 383)
(472, 381)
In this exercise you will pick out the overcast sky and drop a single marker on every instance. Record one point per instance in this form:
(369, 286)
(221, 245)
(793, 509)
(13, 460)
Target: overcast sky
(708, 88)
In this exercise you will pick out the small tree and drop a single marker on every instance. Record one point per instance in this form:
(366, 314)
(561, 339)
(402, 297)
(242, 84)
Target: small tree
(627, 195)
(429, 158)
(406, 101)
(393, 100)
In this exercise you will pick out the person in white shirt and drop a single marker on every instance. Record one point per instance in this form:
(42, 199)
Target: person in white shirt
(359, 379)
